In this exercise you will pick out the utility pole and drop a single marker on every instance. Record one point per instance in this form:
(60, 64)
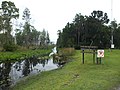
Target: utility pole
(112, 43)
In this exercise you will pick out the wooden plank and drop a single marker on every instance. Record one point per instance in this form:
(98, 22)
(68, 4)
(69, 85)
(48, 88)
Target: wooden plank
(88, 52)
(89, 47)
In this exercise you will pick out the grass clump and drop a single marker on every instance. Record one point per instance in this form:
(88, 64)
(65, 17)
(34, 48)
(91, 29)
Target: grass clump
(66, 51)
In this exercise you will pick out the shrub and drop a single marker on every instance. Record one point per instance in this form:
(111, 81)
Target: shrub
(66, 51)
(9, 47)
(77, 47)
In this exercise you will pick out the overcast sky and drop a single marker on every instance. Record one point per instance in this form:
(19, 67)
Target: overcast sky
(53, 15)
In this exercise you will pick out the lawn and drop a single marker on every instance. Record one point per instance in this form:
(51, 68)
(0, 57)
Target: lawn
(77, 76)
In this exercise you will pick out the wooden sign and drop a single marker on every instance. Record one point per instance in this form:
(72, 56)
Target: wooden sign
(100, 53)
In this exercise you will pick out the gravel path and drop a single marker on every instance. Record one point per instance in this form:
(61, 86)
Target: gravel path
(117, 88)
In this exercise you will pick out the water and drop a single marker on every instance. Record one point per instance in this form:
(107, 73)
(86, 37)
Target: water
(10, 72)
(30, 67)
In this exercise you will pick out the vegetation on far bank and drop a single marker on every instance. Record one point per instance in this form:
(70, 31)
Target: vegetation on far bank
(22, 54)
(77, 76)
(25, 34)
(90, 30)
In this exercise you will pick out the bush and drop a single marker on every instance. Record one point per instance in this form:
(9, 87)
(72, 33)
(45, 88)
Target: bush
(9, 47)
(66, 51)
(77, 47)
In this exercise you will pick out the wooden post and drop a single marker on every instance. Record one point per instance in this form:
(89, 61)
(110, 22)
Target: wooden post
(83, 55)
(97, 60)
(100, 60)
(93, 56)
(83, 48)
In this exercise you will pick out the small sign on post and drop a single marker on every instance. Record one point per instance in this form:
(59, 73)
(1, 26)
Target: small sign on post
(112, 46)
(100, 53)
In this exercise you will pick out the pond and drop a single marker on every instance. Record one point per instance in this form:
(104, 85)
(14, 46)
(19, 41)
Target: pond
(12, 72)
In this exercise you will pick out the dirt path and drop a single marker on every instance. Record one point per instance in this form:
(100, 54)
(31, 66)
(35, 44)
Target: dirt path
(117, 88)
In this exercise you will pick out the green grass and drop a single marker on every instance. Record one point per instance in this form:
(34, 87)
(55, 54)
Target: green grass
(17, 55)
(77, 76)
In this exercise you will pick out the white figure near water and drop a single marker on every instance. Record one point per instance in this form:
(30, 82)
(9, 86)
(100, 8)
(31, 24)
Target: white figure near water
(54, 51)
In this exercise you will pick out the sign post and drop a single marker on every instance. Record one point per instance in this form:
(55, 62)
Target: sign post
(100, 54)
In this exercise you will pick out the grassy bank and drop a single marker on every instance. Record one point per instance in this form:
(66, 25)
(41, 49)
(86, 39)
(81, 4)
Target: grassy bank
(77, 76)
(18, 55)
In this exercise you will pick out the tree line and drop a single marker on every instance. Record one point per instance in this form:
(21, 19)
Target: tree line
(93, 30)
(25, 35)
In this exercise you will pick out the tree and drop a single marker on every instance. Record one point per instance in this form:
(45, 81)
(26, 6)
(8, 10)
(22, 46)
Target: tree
(95, 25)
(113, 28)
(8, 12)
(26, 15)
(26, 31)
(34, 36)
(21, 36)
(42, 37)
(47, 38)
(86, 30)
(59, 40)
(100, 16)
(117, 37)
(1, 23)
(79, 22)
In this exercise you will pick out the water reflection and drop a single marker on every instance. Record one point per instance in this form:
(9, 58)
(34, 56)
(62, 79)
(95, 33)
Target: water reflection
(4, 75)
(10, 73)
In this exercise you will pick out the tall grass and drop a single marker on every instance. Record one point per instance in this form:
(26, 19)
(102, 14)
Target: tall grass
(66, 51)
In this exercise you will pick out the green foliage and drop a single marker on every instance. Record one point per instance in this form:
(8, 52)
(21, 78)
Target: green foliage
(66, 51)
(27, 30)
(9, 47)
(26, 15)
(22, 54)
(86, 30)
(8, 12)
(115, 31)
(28, 36)
(33, 37)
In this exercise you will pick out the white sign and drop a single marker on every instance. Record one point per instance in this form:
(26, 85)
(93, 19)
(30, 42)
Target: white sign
(112, 45)
(100, 53)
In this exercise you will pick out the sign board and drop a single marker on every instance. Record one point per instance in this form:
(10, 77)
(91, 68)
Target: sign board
(100, 53)
(112, 45)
